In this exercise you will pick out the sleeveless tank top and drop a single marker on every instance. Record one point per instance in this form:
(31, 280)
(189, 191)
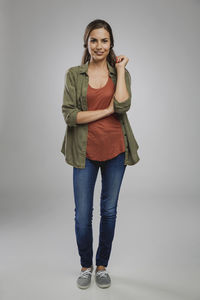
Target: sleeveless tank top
(105, 136)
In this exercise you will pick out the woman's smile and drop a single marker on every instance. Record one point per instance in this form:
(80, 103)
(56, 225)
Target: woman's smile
(99, 53)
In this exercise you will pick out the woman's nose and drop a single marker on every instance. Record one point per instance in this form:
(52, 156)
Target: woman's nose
(99, 46)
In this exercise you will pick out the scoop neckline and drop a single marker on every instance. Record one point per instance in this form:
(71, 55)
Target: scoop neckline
(101, 87)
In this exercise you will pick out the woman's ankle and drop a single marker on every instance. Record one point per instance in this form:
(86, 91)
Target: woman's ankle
(85, 268)
(100, 268)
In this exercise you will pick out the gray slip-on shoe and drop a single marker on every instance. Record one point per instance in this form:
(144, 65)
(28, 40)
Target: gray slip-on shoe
(84, 278)
(102, 278)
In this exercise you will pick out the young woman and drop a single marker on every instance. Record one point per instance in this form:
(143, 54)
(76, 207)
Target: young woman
(97, 95)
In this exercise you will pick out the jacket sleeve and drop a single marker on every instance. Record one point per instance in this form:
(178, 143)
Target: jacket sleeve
(121, 107)
(69, 109)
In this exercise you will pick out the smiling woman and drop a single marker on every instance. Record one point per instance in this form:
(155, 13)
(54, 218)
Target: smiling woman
(96, 97)
(99, 43)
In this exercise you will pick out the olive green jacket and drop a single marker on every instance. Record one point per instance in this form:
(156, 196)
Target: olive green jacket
(75, 100)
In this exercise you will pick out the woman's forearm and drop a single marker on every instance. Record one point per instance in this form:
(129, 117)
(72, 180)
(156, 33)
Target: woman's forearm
(121, 93)
(91, 115)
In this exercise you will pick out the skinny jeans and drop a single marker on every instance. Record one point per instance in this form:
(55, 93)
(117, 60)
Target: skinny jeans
(112, 172)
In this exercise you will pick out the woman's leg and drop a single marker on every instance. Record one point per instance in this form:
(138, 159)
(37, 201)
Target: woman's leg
(83, 185)
(112, 172)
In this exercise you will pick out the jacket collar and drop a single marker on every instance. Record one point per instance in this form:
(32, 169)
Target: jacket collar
(84, 68)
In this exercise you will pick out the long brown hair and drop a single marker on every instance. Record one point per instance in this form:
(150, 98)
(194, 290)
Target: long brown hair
(98, 23)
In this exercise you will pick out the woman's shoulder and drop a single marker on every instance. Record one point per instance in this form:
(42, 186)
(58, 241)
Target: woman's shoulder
(73, 69)
(71, 73)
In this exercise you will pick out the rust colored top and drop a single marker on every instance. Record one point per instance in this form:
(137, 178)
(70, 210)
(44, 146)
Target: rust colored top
(105, 136)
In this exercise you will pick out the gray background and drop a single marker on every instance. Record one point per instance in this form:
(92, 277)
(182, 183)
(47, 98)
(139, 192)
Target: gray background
(156, 248)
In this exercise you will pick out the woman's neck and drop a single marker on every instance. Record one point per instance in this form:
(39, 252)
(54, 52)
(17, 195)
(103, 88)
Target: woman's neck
(98, 66)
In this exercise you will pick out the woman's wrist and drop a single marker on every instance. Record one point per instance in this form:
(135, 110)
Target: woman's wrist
(120, 69)
(107, 112)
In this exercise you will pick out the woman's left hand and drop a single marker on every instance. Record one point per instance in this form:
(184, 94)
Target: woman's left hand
(121, 61)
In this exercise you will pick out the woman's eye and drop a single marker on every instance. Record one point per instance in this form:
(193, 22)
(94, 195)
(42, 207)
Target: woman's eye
(105, 41)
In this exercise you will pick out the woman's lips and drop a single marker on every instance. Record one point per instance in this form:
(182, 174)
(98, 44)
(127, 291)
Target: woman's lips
(99, 53)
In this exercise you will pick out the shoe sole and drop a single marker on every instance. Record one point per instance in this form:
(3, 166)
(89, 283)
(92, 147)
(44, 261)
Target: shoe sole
(103, 285)
(83, 287)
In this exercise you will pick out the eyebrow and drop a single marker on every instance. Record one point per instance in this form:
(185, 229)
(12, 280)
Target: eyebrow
(102, 39)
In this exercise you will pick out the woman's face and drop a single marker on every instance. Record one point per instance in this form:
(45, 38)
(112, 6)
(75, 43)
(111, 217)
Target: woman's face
(99, 44)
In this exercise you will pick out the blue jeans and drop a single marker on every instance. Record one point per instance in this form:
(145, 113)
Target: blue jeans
(112, 172)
